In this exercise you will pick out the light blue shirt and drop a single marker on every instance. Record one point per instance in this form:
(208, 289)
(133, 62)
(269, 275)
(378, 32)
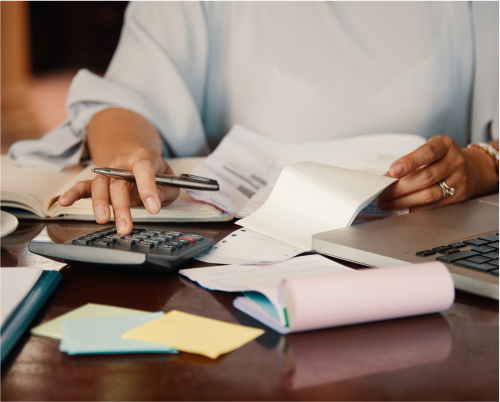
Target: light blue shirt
(293, 71)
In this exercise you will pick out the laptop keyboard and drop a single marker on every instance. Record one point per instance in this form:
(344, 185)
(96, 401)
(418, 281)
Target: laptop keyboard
(483, 256)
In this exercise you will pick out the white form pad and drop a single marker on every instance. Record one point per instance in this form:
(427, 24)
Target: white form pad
(311, 198)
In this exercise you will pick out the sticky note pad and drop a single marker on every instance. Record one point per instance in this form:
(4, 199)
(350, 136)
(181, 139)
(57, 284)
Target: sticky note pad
(53, 328)
(194, 334)
(103, 335)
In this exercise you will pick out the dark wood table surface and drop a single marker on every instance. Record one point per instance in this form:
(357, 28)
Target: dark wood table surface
(448, 356)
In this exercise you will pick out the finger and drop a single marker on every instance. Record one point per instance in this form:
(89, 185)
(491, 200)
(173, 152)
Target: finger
(168, 194)
(100, 199)
(152, 195)
(419, 180)
(434, 149)
(427, 195)
(119, 191)
(82, 189)
(144, 172)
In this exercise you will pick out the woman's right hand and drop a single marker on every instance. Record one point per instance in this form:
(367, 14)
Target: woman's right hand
(123, 194)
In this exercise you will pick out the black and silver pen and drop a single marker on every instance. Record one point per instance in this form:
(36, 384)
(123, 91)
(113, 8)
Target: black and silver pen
(183, 181)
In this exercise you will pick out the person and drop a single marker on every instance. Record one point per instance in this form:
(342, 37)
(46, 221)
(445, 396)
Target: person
(184, 73)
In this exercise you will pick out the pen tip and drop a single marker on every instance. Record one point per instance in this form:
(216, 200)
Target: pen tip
(93, 170)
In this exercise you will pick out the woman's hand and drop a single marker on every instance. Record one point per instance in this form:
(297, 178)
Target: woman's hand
(123, 194)
(471, 172)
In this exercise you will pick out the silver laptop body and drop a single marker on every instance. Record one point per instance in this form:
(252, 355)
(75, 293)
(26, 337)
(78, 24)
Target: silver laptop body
(395, 241)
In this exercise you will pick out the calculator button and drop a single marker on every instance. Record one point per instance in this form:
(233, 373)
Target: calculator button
(197, 237)
(425, 253)
(494, 272)
(126, 242)
(145, 244)
(494, 262)
(102, 243)
(189, 239)
(115, 236)
(81, 242)
(457, 245)
(156, 240)
(462, 255)
(491, 237)
(166, 248)
(110, 240)
(476, 242)
(494, 245)
(98, 234)
(91, 238)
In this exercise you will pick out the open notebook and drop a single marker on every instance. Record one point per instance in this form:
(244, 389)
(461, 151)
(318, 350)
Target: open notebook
(32, 192)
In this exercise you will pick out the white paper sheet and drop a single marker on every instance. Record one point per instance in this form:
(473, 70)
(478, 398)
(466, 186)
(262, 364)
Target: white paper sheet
(311, 198)
(244, 246)
(265, 279)
(241, 164)
(16, 284)
(247, 165)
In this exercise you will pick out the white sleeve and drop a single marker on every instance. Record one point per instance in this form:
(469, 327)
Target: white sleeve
(159, 71)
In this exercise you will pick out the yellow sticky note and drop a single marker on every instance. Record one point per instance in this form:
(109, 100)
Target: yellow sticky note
(194, 334)
(53, 328)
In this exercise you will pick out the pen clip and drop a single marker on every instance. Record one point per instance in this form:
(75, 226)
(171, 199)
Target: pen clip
(197, 178)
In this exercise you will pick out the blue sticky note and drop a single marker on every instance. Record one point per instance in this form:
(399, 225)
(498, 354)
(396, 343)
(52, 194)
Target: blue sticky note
(103, 335)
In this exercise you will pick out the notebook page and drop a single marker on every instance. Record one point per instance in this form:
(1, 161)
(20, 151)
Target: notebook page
(32, 186)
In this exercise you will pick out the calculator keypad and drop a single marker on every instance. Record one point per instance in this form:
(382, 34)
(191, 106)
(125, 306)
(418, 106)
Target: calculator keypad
(141, 240)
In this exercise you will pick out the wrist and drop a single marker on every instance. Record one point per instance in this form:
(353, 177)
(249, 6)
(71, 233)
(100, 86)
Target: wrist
(484, 171)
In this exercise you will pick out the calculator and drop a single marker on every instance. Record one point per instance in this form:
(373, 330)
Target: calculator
(158, 251)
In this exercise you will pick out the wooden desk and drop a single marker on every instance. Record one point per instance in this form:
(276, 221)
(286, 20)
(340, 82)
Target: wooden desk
(452, 356)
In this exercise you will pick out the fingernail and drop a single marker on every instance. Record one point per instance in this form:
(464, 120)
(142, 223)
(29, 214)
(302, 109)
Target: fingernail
(121, 225)
(398, 169)
(99, 212)
(151, 205)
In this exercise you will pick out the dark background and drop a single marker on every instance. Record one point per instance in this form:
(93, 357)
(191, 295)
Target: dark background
(74, 34)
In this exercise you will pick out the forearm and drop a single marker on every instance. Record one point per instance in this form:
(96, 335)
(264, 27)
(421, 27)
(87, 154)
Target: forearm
(114, 132)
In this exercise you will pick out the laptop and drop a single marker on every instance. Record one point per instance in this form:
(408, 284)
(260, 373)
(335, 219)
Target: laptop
(463, 236)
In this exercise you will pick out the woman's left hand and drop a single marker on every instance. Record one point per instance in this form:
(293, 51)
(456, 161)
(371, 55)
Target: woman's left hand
(470, 172)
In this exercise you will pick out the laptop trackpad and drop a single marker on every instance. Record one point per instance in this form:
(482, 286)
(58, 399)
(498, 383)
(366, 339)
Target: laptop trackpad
(470, 217)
